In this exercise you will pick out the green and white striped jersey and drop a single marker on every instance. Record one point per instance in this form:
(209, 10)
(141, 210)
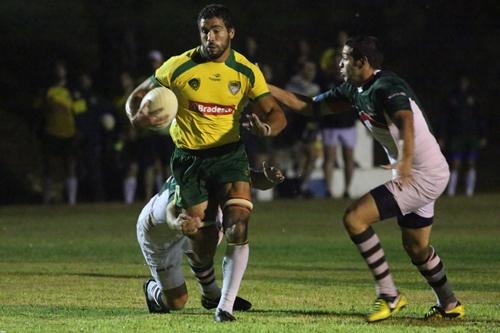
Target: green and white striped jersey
(376, 102)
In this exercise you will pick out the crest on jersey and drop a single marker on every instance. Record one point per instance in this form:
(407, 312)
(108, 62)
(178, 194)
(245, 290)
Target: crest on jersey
(234, 87)
(194, 83)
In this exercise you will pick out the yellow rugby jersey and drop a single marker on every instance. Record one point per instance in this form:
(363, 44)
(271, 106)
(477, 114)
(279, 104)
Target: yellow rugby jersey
(211, 97)
(60, 120)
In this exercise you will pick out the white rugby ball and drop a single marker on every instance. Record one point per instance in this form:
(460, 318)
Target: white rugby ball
(163, 104)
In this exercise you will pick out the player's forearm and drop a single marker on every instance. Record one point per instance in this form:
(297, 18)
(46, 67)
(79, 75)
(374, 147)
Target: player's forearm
(171, 216)
(302, 105)
(276, 120)
(134, 100)
(408, 139)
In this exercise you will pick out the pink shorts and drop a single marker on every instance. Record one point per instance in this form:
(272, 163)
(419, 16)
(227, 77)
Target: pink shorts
(419, 195)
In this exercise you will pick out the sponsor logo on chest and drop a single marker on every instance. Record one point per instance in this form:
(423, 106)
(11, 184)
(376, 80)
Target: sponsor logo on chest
(211, 108)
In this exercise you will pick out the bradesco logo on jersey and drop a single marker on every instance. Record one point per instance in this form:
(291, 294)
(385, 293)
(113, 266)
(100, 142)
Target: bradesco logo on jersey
(211, 109)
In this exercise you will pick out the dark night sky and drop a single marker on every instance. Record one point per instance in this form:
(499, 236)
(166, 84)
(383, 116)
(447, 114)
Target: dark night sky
(429, 43)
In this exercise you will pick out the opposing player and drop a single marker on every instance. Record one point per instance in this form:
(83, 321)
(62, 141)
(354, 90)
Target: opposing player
(213, 83)
(388, 107)
(162, 233)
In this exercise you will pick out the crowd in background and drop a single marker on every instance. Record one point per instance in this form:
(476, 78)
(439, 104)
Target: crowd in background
(92, 153)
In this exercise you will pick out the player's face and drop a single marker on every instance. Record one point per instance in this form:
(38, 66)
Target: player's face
(215, 38)
(350, 69)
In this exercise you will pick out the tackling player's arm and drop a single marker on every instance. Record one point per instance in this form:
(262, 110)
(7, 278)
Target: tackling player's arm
(308, 106)
(138, 116)
(295, 102)
(181, 222)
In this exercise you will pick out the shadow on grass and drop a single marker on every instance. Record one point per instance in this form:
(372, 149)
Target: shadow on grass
(393, 321)
(306, 280)
(82, 274)
(59, 311)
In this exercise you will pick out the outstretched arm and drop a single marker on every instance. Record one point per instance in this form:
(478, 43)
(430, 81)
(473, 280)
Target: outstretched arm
(296, 102)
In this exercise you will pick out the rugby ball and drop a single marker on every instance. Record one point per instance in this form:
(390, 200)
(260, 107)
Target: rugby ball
(163, 104)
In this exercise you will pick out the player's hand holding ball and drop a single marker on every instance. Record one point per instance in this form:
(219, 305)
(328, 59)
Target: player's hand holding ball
(157, 110)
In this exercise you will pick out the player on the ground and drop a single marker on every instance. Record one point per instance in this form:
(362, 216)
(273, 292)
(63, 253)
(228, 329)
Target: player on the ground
(213, 83)
(162, 232)
(388, 107)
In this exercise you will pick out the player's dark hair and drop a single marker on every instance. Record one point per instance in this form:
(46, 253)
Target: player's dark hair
(217, 10)
(366, 46)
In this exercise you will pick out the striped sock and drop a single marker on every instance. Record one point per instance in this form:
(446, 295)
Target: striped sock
(433, 271)
(369, 246)
(205, 276)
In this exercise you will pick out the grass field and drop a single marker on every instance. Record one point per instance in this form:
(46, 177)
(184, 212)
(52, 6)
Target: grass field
(79, 269)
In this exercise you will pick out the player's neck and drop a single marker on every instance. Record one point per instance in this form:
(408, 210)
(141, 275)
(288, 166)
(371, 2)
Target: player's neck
(220, 59)
(366, 76)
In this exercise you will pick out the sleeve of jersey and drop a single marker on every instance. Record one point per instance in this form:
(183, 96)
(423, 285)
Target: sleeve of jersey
(259, 88)
(164, 73)
(393, 98)
(338, 93)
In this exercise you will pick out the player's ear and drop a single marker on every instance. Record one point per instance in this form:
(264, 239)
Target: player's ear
(361, 62)
(232, 32)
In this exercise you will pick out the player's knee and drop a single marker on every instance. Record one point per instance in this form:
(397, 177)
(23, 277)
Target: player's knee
(351, 220)
(236, 216)
(418, 252)
(237, 233)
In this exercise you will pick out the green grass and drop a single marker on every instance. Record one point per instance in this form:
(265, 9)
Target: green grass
(79, 269)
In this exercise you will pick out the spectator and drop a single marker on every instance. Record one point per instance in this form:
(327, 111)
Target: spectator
(463, 134)
(126, 146)
(59, 138)
(90, 110)
(309, 146)
(336, 129)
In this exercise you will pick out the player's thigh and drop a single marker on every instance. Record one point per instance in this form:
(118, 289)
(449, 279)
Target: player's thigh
(190, 173)
(198, 210)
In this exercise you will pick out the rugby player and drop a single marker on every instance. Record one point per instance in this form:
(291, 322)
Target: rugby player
(213, 83)
(162, 232)
(389, 109)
